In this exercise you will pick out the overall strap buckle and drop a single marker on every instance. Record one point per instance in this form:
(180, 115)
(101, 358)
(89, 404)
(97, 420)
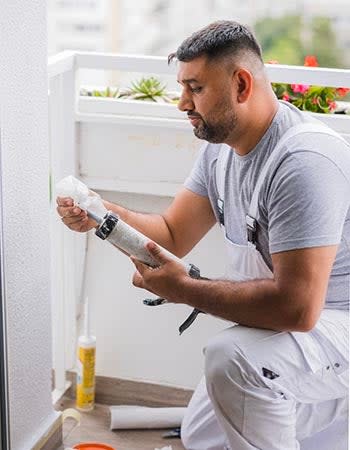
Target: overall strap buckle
(251, 229)
(220, 205)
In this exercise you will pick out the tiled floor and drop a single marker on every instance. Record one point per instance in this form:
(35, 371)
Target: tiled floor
(95, 427)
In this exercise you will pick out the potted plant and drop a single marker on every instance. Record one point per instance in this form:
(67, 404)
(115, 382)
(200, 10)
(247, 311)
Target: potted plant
(316, 99)
(142, 98)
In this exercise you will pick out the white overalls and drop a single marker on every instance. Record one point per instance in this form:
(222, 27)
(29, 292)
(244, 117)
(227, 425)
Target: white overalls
(265, 389)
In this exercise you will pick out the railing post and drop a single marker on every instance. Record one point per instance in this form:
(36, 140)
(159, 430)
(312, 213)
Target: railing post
(69, 166)
(65, 245)
(56, 240)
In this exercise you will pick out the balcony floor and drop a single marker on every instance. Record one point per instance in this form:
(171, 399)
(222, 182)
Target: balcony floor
(94, 427)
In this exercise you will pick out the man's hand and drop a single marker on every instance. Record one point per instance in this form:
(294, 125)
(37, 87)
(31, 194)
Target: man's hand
(72, 216)
(166, 281)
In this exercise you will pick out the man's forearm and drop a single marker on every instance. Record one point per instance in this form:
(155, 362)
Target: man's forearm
(257, 303)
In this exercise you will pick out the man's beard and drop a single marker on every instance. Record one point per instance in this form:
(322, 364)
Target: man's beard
(216, 133)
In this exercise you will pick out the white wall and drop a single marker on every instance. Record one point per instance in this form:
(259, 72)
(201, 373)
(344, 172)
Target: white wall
(139, 342)
(23, 107)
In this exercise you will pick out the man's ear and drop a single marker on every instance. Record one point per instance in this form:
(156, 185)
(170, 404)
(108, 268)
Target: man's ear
(243, 81)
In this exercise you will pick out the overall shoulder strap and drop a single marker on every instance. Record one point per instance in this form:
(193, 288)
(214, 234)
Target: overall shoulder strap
(291, 133)
(221, 166)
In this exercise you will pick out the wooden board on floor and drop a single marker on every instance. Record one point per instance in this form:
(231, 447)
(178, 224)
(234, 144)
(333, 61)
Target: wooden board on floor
(117, 391)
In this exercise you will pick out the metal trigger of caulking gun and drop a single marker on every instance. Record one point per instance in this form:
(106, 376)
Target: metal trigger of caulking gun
(154, 301)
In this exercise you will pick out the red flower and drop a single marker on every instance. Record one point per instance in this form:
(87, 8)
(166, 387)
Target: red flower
(285, 96)
(331, 104)
(310, 61)
(302, 88)
(342, 91)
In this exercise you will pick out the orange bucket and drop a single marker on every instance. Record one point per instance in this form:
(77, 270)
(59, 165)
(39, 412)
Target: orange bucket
(93, 446)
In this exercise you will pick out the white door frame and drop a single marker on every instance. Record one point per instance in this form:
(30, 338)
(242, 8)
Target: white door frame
(4, 394)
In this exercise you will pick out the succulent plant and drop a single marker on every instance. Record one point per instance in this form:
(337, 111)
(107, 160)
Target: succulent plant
(149, 89)
(108, 92)
(146, 89)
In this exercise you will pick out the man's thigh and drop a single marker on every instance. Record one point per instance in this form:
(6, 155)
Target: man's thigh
(299, 368)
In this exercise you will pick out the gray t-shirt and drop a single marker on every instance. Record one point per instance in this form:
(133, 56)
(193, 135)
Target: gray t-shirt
(304, 200)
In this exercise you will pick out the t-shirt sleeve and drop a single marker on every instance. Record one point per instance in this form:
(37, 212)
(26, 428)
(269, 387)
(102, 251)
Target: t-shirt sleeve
(197, 181)
(307, 203)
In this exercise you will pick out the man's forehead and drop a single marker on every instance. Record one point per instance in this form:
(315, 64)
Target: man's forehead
(192, 71)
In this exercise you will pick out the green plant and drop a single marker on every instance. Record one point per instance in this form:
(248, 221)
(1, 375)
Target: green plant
(146, 89)
(149, 89)
(108, 92)
(319, 99)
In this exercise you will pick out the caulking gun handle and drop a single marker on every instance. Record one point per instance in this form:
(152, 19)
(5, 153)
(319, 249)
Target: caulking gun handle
(193, 272)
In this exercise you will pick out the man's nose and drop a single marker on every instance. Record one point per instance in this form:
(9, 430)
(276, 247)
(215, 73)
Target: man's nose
(185, 103)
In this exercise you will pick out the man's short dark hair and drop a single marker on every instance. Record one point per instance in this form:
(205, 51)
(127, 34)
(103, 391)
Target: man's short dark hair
(224, 38)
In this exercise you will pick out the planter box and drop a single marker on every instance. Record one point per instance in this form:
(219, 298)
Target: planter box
(339, 123)
(98, 105)
(134, 146)
(143, 147)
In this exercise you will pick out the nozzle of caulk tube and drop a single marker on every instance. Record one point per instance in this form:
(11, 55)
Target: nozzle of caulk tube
(82, 196)
(95, 217)
(86, 318)
(86, 336)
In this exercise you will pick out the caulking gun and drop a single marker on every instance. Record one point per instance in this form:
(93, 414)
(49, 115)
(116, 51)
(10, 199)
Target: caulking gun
(121, 235)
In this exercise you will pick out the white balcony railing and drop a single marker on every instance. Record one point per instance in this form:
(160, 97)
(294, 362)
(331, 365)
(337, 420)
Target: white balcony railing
(99, 141)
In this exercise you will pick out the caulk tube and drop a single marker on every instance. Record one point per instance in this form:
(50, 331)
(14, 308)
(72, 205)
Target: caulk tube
(131, 241)
(85, 397)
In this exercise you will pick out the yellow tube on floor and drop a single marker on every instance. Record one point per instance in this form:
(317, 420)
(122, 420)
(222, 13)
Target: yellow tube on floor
(85, 398)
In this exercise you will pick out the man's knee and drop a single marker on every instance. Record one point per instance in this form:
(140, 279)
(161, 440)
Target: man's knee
(200, 429)
(224, 360)
(187, 434)
(190, 436)
(202, 432)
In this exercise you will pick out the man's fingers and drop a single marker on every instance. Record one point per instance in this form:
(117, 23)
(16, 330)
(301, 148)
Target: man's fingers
(74, 211)
(71, 220)
(137, 279)
(140, 267)
(157, 253)
(139, 282)
(64, 201)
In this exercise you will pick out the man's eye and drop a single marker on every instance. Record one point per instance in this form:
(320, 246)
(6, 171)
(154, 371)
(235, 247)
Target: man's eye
(196, 90)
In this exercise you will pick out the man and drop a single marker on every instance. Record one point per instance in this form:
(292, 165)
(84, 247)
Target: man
(278, 182)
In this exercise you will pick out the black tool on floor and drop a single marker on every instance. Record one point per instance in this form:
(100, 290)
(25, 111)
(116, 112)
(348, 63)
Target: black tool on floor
(174, 433)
